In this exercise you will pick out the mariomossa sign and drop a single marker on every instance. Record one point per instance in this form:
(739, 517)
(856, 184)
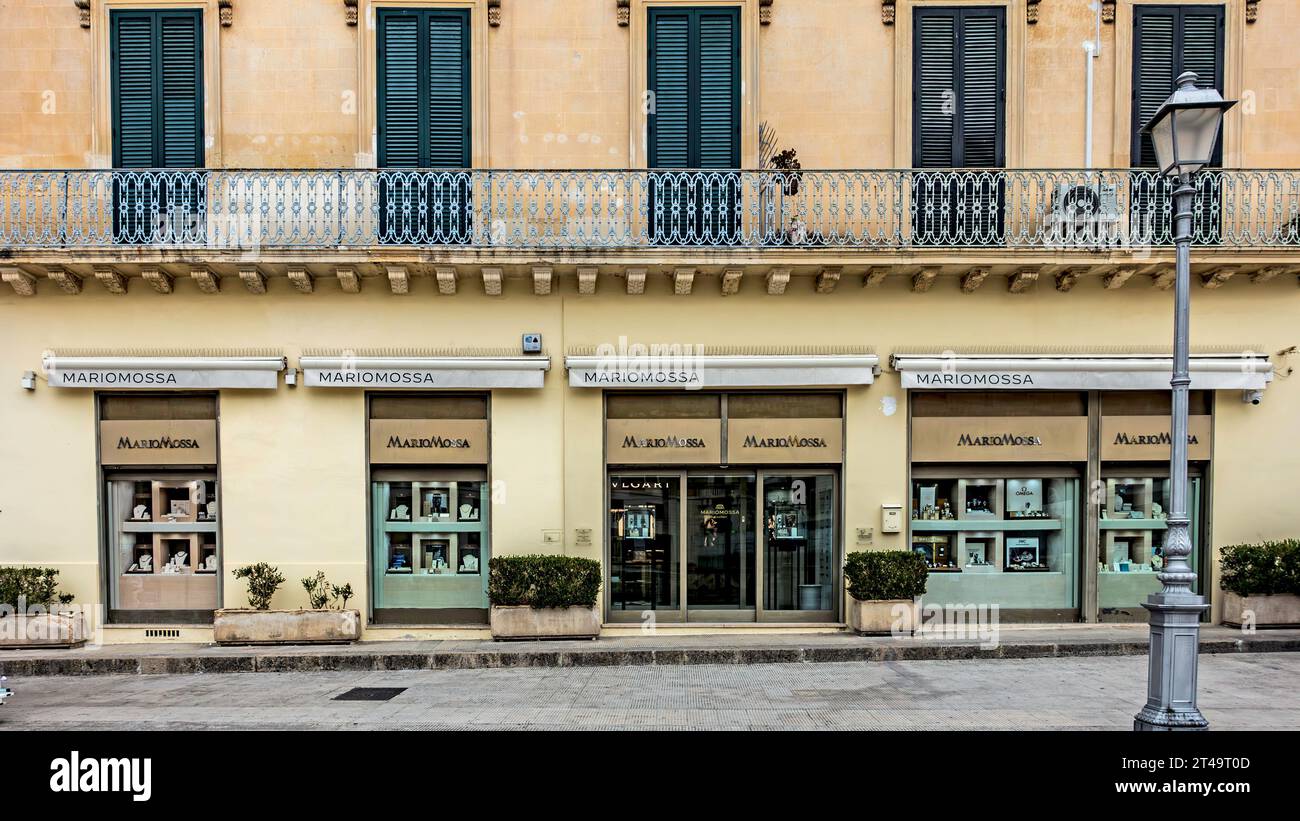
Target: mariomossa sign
(1147, 438)
(663, 441)
(158, 442)
(1000, 439)
(785, 441)
(428, 441)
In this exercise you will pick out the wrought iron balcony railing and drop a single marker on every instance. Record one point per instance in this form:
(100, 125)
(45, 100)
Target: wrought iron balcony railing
(637, 209)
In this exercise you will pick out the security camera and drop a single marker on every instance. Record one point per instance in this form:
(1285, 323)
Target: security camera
(1252, 397)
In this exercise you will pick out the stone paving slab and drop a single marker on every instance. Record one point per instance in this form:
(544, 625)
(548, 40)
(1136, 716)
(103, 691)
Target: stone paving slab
(1242, 691)
(1014, 642)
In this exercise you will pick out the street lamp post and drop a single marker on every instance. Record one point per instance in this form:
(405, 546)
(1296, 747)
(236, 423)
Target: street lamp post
(1184, 132)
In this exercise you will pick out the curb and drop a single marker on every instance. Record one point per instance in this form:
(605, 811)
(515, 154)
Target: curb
(264, 662)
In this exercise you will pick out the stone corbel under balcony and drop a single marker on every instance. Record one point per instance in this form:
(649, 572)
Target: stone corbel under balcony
(962, 272)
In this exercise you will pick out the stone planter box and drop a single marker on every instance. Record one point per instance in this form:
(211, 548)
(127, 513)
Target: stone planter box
(523, 622)
(875, 618)
(1279, 610)
(44, 630)
(286, 626)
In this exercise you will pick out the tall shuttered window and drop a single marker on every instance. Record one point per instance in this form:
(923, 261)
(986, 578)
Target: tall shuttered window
(694, 123)
(1168, 40)
(424, 123)
(157, 76)
(959, 71)
(958, 122)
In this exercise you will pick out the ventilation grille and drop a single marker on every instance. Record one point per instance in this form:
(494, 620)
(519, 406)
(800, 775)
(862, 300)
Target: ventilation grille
(162, 633)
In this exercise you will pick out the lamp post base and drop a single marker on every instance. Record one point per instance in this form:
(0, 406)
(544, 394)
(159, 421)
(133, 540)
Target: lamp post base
(1175, 640)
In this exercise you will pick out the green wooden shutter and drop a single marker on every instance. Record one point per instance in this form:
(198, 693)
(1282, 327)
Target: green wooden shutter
(1168, 40)
(449, 93)
(694, 71)
(399, 89)
(424, 88)
(959, 100)
(157, 78)
(719, 89)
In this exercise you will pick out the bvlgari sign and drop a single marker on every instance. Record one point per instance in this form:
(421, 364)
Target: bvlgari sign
(158, 442)
(663, 441)
(785, 441)
(1143, 438)
(1000, 439)
(428, 441)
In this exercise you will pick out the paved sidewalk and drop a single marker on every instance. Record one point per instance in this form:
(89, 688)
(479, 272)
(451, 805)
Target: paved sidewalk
(1244, 691)
(1018, 641)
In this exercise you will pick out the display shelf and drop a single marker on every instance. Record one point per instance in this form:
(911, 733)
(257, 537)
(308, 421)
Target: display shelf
(131, 526)
(1132, 524)
(945, 525)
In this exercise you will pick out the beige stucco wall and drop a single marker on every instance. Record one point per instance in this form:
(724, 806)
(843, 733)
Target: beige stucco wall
(293, 460)
(831, 78)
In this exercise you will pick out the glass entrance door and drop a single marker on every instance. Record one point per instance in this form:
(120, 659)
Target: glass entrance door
(720, 557)
(799, 514)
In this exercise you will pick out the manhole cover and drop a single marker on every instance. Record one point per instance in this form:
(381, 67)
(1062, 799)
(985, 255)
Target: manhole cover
(370, 694)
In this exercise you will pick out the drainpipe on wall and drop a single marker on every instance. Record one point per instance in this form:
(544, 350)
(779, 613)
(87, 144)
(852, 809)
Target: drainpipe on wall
(1091, 51)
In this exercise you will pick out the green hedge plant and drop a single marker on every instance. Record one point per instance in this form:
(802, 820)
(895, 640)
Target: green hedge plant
(543, 581)
(884, 575)
(36, 586)
(1262, 569)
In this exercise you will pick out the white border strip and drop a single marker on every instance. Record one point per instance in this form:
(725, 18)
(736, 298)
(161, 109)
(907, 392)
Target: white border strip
(164, 372)
(424, 372)
(960, 372)
(693, 372)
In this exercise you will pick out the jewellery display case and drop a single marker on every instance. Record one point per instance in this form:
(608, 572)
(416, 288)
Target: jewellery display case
(1130, 499)
(980, 551)
(979, 499)
(164, 530)
(937, 550)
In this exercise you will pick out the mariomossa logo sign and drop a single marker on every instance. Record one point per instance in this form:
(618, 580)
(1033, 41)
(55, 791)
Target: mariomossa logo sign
(160, 443)
(95, 378)
(428, 442)
(1163, 438)
(1000, 440)
(784, 442)
(663, 442)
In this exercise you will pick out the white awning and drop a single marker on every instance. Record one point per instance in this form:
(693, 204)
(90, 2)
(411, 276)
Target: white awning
(147, 372)
(721, 371)
(363, 371)
(1078, 372)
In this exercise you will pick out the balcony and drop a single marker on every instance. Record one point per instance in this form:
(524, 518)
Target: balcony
(1003, 218)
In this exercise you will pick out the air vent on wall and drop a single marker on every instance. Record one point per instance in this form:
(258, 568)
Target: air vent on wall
(162, 633)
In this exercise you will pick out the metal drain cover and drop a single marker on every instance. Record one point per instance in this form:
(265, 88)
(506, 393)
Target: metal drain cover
(370, 694)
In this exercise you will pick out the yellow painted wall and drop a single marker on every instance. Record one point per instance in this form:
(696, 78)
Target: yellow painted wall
(293, 460)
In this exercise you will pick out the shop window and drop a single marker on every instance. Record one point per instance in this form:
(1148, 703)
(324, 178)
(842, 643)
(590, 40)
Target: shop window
(429, 508)
(159, 460)
(1008, 537)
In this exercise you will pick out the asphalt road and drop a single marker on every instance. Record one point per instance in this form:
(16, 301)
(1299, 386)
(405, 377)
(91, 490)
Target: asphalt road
(1247, 691)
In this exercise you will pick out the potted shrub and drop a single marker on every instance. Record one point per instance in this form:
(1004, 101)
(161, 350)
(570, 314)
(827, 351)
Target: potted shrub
(33, 613)
(882, 586)
(544, 597)
(1261, 584)
(326, 621)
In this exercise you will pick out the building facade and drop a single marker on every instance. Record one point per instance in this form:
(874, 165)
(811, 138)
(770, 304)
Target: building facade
(385, 288)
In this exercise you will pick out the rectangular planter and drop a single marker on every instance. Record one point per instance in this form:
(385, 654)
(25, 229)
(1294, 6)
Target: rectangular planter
(523, 622)
(876, 618)
(286, 626)
(44, 630)
(1279, 610)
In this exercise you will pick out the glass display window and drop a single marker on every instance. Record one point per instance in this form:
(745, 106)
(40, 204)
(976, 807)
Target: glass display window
(161, 506)
(430, 508)
(1010, 539)
(644, 523)
(1131, 529)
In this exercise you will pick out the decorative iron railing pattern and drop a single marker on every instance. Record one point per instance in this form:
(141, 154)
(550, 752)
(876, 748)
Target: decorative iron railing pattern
(637, 209)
